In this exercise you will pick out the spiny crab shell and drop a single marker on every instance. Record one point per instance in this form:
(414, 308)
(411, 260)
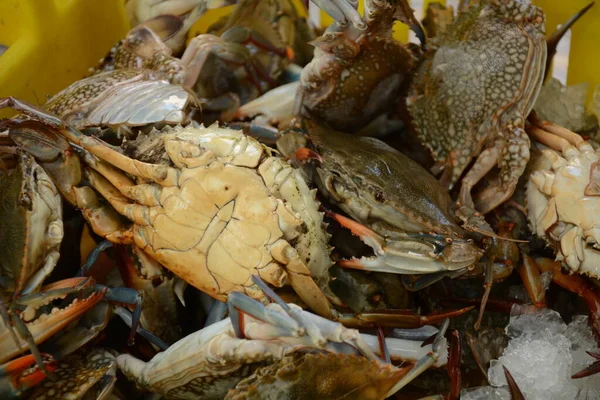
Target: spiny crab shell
(563, 199)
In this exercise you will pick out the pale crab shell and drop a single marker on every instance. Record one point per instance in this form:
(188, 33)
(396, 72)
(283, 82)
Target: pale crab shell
(560, 211)
(125, 97)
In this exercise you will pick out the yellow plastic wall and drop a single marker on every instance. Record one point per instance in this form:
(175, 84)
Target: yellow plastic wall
(52, 43)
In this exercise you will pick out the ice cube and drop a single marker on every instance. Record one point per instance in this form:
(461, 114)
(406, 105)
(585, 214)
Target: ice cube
(485, 393)
(527, 319)
(542, 354)
(582, 340)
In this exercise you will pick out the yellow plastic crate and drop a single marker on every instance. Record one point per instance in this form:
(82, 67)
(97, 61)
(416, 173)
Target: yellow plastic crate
(52, 43)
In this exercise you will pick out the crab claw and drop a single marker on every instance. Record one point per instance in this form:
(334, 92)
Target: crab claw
(20, 375)
(304, 155)
(409, 253)
(515, 392)
(594, 368)
(41, 329)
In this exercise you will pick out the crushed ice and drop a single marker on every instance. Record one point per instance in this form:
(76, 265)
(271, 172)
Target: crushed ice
(542, 354)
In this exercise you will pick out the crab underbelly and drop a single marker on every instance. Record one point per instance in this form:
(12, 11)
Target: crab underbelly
(216, 229)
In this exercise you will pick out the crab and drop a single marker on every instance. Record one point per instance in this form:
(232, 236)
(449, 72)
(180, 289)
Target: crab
(210, 361)
(472, 92)
(288, 27)
(407, 215)
(32, 211)
(252, 213)
(247, 206)
(357, 66)
(563, 196)
(146, 86)
(245, 54)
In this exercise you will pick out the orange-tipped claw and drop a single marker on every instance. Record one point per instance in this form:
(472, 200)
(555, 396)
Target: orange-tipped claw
(353, 263)
(364, 233)
(43, 329)
(590, 370)
(515, 392)
(289, 53)
(23, 374)
(305, 155)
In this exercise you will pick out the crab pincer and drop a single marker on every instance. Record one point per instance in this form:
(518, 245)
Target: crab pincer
(21, 374)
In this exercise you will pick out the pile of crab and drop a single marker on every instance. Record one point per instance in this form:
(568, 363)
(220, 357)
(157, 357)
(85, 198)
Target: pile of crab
(278, 211)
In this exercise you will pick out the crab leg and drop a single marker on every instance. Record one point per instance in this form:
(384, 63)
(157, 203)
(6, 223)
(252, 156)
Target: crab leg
(342, 11)
(399, 318)
(129, 320)
(93, 257)
(424, 363)
(319, 330)
(123, 295)
(487, 286)
(594, 368)
(453, 366)
(281, 326)
(216, 313)
(512, 161)
(334, 332)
